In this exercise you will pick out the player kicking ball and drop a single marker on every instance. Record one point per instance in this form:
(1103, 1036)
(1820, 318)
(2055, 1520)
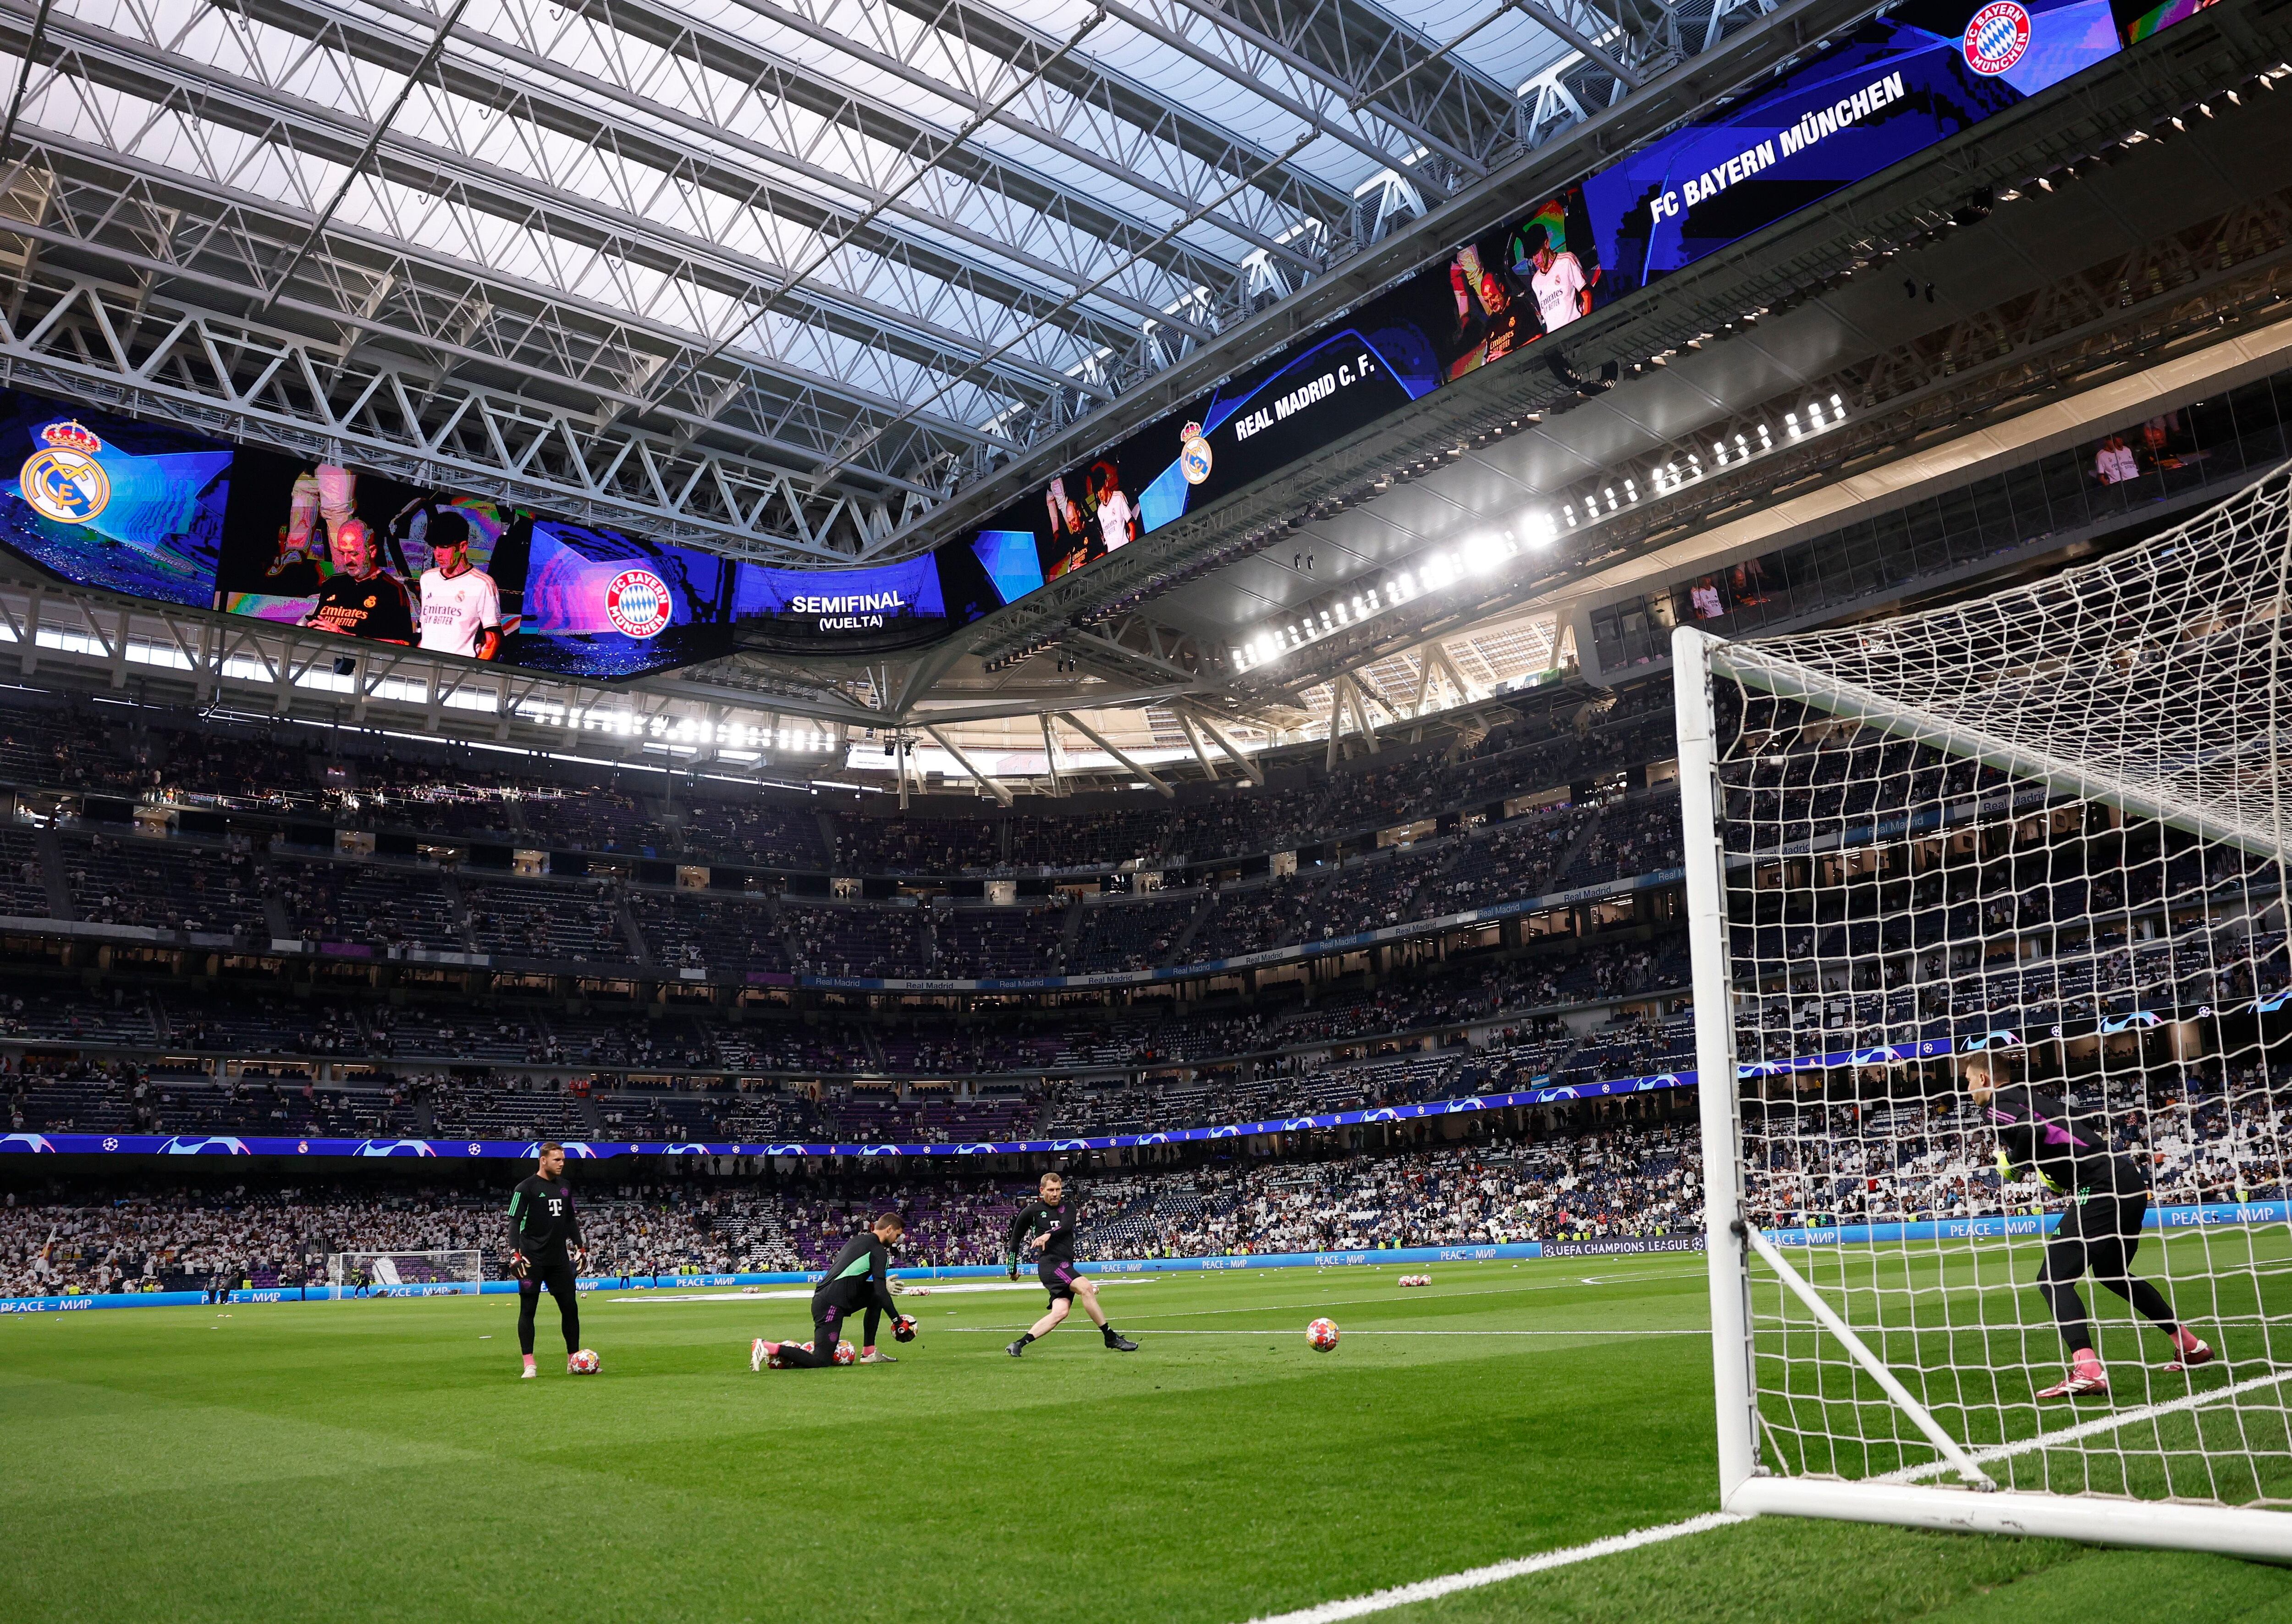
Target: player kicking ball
(1047, 1225)
(858, 1278)
(544, 1243)
(2100, 1229)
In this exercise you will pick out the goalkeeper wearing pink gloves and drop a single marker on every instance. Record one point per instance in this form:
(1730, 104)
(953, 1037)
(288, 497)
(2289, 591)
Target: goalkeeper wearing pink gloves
(2099, 1230)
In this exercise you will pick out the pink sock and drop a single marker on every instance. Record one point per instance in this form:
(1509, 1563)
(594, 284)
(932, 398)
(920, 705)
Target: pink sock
(2086, 1360)
(528, 1359)
(2186, 1340)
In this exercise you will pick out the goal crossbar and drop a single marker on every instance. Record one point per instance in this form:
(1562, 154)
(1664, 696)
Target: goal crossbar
(1785, 679)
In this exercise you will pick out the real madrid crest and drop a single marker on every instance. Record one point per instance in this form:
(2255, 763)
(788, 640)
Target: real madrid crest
(64, 482)
(1193, 454)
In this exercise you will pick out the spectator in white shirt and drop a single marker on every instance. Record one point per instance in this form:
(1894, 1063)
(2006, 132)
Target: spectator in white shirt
(461, 606)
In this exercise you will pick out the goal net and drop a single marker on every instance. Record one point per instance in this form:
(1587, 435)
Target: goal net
(2005, 876)
(406, 1273)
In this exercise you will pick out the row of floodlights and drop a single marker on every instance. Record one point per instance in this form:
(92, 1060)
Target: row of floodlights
(1484, 551)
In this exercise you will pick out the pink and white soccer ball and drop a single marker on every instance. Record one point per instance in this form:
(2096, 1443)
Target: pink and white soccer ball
(845, 1353)
(1322, 1334)
(582, 1364)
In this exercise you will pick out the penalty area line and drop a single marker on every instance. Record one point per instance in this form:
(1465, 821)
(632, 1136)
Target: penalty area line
(1496, 1573)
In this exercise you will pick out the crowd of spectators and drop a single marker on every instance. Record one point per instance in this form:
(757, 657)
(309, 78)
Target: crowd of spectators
(2212, 1131)
(1616, 1179)
(356, 781)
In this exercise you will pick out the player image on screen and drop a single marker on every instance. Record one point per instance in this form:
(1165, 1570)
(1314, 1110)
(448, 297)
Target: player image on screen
(544, 1244)
(360, 600)
(1488, 315)
(1091, 515)
(1117, 523)
(858, 1278)
(1556, 278)
(2100, 1229)
(322, 500)
(1047, 1225)
(461, 606)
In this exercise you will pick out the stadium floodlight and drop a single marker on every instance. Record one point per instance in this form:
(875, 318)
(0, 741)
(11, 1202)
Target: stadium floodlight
(2024, 853)
(433, 1273)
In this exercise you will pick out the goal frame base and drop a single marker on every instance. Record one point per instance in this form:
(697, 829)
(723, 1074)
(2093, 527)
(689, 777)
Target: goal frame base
(2245, 1532)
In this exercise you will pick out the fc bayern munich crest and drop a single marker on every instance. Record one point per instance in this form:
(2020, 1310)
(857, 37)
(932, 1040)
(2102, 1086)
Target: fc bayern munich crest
(637, 603)
(1997, 38)
(65, 483)
(1194, 455)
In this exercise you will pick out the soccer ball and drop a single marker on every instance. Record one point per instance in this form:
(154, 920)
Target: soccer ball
(845, 1353)
(582, 1364)
(1322, 1334)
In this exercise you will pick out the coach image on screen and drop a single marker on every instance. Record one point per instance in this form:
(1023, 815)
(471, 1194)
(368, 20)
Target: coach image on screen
(461, 606)
(360, 600)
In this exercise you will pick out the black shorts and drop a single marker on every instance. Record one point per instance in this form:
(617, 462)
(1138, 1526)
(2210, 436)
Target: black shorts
(2104, 1215)
(556, 1272)
(1058, 1275)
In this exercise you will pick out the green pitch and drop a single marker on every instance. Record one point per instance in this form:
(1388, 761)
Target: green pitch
(379, 1460)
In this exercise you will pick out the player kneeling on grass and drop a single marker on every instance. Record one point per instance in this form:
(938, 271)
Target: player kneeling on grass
(858, 1278)
(2100, 1229)
(1048, 1225)
(544, 1243)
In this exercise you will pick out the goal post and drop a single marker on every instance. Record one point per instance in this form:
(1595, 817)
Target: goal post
(446, 1272)
(2036, 840)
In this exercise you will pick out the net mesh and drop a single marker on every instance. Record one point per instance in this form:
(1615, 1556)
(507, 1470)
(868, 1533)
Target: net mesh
(393, 1269)
(2041, 835)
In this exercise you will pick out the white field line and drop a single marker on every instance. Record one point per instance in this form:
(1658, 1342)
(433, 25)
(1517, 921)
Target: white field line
(1433, 1590)
(2089, 1429)
(1291, 1330)
(805, 1291)
(1434, 1294)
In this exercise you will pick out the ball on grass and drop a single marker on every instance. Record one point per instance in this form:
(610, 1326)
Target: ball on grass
(582, 1364)
(1322, 1334)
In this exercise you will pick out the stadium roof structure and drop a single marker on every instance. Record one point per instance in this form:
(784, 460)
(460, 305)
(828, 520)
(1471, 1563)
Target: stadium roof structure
(820, 283)
(778, 275)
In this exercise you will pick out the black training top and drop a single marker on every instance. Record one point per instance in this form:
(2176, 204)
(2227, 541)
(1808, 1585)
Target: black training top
(2069, 1150)
(860, 1277)
(1058, 1222)
(376, 608)
(542, 1225)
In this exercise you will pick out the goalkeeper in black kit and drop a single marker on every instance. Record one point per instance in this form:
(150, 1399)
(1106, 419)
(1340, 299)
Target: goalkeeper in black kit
(544, 1243)
(859, 1281)
(2100, 1228)
(1047, 1226)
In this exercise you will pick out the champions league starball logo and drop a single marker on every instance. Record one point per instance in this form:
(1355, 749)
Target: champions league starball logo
(1997, 38)
(1193, 454)
(65, 483)
(637, 602)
